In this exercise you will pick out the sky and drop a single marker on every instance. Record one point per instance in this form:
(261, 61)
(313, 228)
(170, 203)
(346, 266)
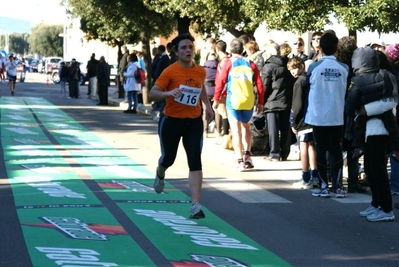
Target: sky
(34, 11)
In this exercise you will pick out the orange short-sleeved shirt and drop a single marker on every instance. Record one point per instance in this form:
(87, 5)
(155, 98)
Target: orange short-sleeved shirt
(175, 76)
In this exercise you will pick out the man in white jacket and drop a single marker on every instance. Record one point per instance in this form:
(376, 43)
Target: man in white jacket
(327, 79)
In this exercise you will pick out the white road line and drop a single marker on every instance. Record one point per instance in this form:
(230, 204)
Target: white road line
(244, 191)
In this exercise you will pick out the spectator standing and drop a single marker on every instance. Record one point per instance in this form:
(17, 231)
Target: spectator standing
(207, 48)
(315, 53)
(210, 66)
(131, 86)
(171, 53)
(392, 54)
(369, 78)
(182, 119)
(74, 76)
(221, 47)
(298, 46)
(310, 176)
(121, 69)
(103, 80)
(278, 83)
(327, 81)
(163, 63)
(345, 48)
(142, 66)
(240, 74)
(63, 74)
(91, 67)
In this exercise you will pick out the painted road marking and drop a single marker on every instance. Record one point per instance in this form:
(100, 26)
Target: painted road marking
(244, 191)
(64, 211)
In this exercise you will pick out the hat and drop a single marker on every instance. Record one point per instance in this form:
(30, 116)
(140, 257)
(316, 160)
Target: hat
(392, 52)
(378, 42)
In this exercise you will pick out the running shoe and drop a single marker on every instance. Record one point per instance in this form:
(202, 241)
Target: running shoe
(302, 184)
(369, 211)
(196, 212)
(340, 193)
(381, 216)
(248, 162)
(321, 192)
(159, 183)
(241, 166)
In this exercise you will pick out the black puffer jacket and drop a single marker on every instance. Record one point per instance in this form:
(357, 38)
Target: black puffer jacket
(370, 83)
(278, 83)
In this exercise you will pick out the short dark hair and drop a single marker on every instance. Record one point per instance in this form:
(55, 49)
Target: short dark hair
(185, 36)
(133, 57)
(221, 46)
(236, 46)
(161, 48)
(329, 43)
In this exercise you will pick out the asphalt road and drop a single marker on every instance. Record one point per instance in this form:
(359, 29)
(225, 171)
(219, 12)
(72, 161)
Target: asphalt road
(296, 227)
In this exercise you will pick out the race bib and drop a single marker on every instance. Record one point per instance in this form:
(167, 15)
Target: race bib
(190, 96)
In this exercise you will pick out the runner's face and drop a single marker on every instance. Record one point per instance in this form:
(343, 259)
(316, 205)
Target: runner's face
(186, 51)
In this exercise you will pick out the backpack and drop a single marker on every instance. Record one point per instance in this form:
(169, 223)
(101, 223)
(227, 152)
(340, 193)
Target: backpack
(241, 78)
(139, 75)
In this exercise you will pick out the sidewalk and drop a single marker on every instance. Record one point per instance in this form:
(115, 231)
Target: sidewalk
(113, 100)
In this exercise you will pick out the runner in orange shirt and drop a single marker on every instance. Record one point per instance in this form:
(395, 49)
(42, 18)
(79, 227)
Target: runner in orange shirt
(182, 85)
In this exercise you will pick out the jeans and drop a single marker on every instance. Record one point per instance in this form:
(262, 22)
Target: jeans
(132, 96)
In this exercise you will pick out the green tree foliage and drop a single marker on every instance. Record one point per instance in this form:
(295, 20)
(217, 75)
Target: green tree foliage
(45, 39)
(207, 16)
(18, 43)
(119, 22)
(376, 15)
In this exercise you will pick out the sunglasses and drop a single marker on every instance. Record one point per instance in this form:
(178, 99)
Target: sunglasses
(299, 44)
(316, 39)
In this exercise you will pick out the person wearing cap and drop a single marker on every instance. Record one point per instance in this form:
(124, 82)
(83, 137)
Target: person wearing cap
(11, 68)
(378, 45)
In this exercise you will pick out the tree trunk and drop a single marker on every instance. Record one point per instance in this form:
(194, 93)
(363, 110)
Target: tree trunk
(353, 33)
(183, 24)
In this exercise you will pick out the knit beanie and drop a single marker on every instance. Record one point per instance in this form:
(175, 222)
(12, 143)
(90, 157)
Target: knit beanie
(392, 52)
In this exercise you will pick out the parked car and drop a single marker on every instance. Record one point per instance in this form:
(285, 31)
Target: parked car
(56, 78)
(51, 63)
(33, 65)
(114, 72)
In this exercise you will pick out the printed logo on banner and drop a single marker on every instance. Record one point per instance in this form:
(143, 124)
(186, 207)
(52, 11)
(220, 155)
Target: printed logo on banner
(208, 260)
(76, 229)
(76, 256)
(130, 185)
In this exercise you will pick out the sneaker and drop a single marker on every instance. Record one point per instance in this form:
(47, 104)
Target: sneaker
(394, 193)
(196, 212)
(301, 184)
(159, 183)
(381, 216)
(369, 211)
(248, 162)
(134, 111)
(273, 159)
(357, 153)
(321, 192)
(241, 166)
(315, 182)
(340, 193)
